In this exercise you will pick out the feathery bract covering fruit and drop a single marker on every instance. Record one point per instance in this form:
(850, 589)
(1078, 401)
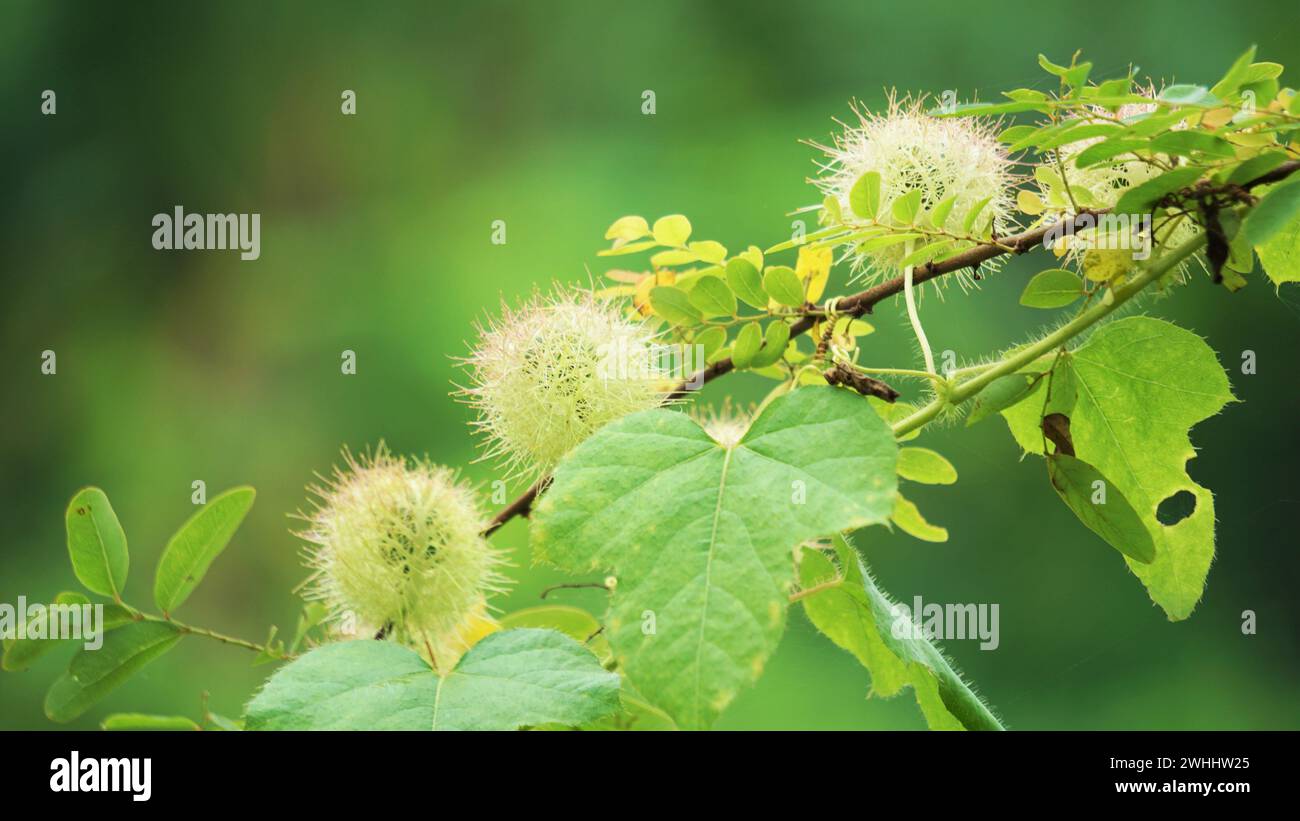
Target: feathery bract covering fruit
(548, 375)
(396, 543)
(942, 159)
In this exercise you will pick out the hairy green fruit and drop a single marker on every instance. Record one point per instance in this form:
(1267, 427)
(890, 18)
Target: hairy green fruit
(395, 544)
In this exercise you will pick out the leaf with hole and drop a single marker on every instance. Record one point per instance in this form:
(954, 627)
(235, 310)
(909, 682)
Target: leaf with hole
(1141, 384)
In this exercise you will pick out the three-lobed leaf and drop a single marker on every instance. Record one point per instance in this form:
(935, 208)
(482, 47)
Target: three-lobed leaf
(510, 679)
(700, 535)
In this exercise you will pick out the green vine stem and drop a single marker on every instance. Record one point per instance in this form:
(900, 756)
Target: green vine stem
(862, 302)
(963, 391)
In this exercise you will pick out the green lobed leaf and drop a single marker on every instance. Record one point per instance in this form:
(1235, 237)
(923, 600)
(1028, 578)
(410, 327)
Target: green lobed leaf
(510, 679)
(1140, 385)
(96, 543)
(859, 617)
(700, 536)
(190, 551)
(94, 674)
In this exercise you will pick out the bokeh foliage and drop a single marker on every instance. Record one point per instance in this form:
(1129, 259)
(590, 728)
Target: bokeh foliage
(175, 367)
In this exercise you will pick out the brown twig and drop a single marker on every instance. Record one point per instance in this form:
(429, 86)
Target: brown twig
(864, 301)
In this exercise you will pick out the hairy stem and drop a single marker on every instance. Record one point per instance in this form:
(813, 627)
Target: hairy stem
(1022, 357)
(212, 634)
(862, 303)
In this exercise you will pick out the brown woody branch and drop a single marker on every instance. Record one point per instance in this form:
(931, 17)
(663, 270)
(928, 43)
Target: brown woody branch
(863, 302)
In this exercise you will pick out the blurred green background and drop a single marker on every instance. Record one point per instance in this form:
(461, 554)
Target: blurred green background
(376, 237)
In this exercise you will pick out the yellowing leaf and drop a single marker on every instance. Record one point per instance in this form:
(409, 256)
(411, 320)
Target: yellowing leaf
(642, 298)
(911, 522)
(628, 228)
(814, 268)
(1029, 202)
(925, 466)
(672, 231)
(709, 251)
(672, 257)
